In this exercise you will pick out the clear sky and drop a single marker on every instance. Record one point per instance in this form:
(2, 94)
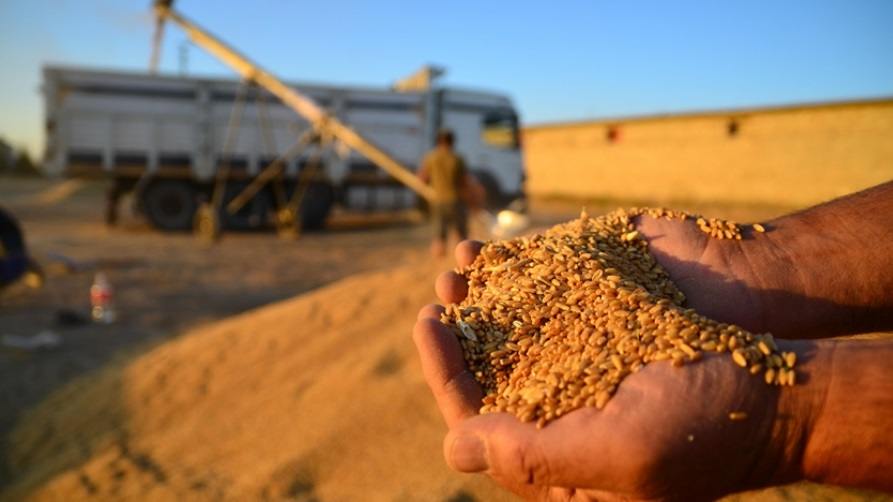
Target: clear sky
(559, 61)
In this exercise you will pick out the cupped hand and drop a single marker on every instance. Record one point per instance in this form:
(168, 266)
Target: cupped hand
(690, 433)
(718, 276)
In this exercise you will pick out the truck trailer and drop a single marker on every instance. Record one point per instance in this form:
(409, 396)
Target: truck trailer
(175, 142)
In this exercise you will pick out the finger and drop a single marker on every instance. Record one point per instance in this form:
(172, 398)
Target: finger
(672, 239)
(451, 287)
(468, 449)
(482, 445)
(433, 311)
(467, 251)
(519, 454)
(458, 394)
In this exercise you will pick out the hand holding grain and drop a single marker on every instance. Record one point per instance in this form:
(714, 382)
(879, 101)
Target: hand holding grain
(667, 433)
(825, 271)
(706, 429)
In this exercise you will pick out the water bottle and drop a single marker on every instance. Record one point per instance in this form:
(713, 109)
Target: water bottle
(102, 299)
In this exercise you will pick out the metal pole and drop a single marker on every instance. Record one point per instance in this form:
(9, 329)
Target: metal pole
(320, 120)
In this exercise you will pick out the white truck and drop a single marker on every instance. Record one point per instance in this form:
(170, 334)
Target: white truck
(173, 141)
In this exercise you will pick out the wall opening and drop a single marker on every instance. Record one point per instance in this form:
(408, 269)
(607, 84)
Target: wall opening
(733, 128)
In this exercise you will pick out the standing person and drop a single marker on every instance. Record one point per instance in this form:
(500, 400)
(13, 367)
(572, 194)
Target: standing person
(445, 171)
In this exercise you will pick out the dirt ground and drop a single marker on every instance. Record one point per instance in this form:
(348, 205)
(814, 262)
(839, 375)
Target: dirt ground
(165, 283)
(256, 368)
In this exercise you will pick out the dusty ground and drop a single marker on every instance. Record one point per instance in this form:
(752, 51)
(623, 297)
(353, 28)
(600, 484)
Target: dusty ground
(165, 284)
(254, 369)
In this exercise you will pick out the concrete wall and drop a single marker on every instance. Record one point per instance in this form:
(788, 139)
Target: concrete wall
(793, 156)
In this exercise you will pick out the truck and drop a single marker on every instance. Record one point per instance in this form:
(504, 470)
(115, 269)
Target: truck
(176, 142)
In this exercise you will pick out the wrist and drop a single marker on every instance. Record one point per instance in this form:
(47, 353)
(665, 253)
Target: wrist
(819, 274)
(723, 279)
(850, 441)
(797, 411)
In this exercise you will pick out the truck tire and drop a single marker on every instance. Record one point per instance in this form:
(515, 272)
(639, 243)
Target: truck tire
(170, 204)
(316, 206)
(252, 216)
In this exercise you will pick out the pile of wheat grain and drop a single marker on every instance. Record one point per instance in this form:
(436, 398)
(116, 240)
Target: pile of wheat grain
(554, 322)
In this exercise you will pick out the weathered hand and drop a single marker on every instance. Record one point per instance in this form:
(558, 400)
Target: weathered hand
(715, 274)
(666, 433)
(822, 272)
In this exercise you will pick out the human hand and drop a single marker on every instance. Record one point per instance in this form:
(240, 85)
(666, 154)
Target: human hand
(717, 275)
(665, 434)
(825, 271)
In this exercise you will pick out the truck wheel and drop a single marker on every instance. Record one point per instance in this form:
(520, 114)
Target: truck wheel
(315, 206)
(170, 204)
(252, 216)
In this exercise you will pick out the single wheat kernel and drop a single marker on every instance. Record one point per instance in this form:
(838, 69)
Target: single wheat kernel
(466, 330)
(790, 358)
(737, 415)
(687, 349)
(782, 377)
(601, 399)
(758, 227)
(733, 343)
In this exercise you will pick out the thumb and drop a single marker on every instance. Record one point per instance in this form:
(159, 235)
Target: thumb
(506, 448)
(583, 449)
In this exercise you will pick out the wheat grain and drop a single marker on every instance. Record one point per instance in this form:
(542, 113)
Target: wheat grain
(555, 322)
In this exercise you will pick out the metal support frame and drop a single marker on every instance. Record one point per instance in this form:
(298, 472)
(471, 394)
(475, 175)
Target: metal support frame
(207, 224)
(322, 121)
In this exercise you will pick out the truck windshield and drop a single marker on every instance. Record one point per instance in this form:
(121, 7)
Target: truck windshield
(500, 130)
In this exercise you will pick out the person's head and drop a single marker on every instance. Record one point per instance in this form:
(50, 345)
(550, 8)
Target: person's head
(445, 138)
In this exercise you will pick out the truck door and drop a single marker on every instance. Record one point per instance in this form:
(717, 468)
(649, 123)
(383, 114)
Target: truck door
(487, 136)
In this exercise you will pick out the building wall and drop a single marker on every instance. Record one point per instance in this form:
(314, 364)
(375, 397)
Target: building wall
(787, 156)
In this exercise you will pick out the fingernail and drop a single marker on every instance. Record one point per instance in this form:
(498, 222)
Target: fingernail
(469, 454)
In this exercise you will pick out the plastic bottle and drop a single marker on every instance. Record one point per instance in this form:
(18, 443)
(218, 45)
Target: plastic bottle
(102, 299)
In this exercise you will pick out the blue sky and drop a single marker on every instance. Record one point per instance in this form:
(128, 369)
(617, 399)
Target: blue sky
(559, 61)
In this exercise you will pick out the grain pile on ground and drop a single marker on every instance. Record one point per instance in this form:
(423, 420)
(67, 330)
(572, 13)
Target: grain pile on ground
(554, 322)
(319, 398)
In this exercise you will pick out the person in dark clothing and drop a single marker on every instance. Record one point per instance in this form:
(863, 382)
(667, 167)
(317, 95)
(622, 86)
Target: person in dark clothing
(14, 260)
